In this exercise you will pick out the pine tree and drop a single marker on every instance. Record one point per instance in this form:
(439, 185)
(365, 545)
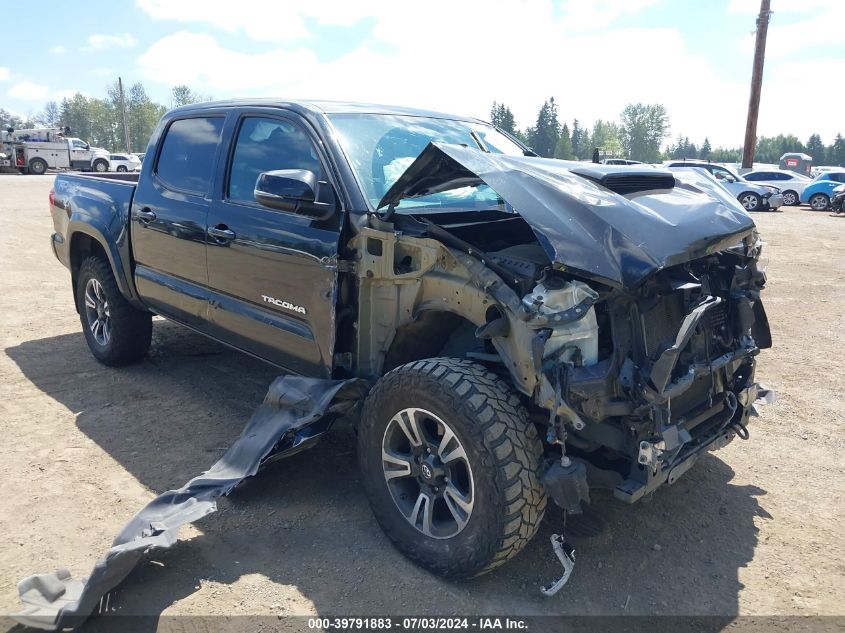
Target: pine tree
(563, 149)
(837, 151)
(816, 149)
(502, 117)
(705, 149)
(577, 134)
(545, 134)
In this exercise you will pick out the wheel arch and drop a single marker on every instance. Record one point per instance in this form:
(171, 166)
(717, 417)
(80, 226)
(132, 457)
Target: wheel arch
(427, 336)
(435, 297)
(87, 241)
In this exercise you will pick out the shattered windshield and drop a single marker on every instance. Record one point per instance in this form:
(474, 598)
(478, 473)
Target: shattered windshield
(380, 147)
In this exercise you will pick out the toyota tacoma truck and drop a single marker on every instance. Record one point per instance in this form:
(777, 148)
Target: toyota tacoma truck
(532, 328)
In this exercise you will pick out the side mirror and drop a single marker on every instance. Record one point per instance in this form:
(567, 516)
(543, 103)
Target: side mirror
(296, 191)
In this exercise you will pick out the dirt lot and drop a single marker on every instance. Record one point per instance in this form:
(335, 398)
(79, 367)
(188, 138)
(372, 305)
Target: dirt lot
(756, 528)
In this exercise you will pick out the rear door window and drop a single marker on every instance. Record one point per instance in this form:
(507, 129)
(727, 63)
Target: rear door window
(186, 160)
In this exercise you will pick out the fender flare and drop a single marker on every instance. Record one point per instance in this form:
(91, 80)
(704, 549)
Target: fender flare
(84, 224)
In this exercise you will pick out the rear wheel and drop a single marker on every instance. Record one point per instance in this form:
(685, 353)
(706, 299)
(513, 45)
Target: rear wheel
(819, 202)
(121, 168)
(790, 198)
(37, 166)
(449, 462)
(750, 200)
(116, 333)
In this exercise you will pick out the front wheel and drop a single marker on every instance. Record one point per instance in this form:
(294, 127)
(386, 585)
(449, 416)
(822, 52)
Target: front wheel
(750, 200)
(819, 202)
(790, 198)
(450, 466)
(100, 166)
(121, 168)
(116, 332)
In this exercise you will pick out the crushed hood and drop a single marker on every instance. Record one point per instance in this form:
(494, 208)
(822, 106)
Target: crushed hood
(614, 223)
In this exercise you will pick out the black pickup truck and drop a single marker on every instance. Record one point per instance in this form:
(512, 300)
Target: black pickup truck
(532, 327)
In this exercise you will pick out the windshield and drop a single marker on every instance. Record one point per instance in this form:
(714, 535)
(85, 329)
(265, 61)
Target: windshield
(380, 147)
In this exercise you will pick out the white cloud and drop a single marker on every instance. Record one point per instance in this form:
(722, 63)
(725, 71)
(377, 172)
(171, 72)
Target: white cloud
(221, 69)
(476, 56)
(29, 91)
(260, 20)
(58, 50)
(100, 42)
(5, 73)
(580, 15)
(799, 27)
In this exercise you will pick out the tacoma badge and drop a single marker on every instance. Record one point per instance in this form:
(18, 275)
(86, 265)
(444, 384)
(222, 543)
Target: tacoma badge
(283, 304)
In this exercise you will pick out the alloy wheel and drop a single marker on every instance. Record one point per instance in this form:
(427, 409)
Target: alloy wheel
(427, 472)
(819, 202)
(97, 312)
(749, 201)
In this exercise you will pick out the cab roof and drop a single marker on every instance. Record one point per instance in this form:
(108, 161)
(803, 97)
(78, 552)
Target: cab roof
(322, 107)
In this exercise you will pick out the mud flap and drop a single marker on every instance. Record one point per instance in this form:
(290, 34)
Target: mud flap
(56, 601)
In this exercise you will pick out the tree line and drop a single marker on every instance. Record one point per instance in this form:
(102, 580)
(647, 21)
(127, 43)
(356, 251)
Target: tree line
(100, 122)
(639, 135)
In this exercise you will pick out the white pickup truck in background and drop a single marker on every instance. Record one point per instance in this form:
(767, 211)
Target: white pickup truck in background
(35, 151)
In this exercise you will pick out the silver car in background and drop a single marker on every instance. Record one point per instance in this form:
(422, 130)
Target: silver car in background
(752, 196)
(790, 183)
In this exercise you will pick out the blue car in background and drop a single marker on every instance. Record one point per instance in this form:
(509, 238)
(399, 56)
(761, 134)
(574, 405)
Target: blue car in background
(819, 192)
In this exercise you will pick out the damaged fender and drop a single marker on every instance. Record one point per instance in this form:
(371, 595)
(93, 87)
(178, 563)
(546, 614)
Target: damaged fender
(56, 601)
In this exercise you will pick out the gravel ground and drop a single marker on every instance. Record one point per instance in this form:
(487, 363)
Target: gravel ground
(756, 528)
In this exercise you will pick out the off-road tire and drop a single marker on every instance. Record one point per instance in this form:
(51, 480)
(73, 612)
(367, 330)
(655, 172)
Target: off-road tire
(131, 329)
(503, 449)
(38, 166)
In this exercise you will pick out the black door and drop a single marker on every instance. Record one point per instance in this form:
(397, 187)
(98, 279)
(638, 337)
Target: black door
(270, 274)
(169, 220)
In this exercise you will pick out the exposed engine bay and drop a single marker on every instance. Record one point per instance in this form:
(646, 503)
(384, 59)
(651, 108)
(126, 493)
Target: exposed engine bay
(631, 374)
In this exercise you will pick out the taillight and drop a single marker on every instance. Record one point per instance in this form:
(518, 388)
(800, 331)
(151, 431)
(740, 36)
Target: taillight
(52, 198)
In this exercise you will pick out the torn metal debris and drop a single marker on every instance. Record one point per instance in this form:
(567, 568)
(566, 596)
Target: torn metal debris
(56, 601)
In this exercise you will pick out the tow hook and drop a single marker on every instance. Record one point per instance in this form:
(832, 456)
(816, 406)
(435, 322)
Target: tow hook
(566, 554)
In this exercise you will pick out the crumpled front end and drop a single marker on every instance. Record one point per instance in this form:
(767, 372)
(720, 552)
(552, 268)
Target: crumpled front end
(624, 303)
(673, 376)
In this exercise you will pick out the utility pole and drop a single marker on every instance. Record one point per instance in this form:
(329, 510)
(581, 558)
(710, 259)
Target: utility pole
(123, 110)
(756, 85)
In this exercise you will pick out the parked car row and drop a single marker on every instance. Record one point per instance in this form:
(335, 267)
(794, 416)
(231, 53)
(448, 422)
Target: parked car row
(751, 195)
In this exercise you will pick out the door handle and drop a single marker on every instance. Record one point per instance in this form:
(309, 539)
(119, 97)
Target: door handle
(221, 233)
(145, 215)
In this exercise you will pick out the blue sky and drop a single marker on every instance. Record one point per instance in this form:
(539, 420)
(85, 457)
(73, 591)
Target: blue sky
(593, 56)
